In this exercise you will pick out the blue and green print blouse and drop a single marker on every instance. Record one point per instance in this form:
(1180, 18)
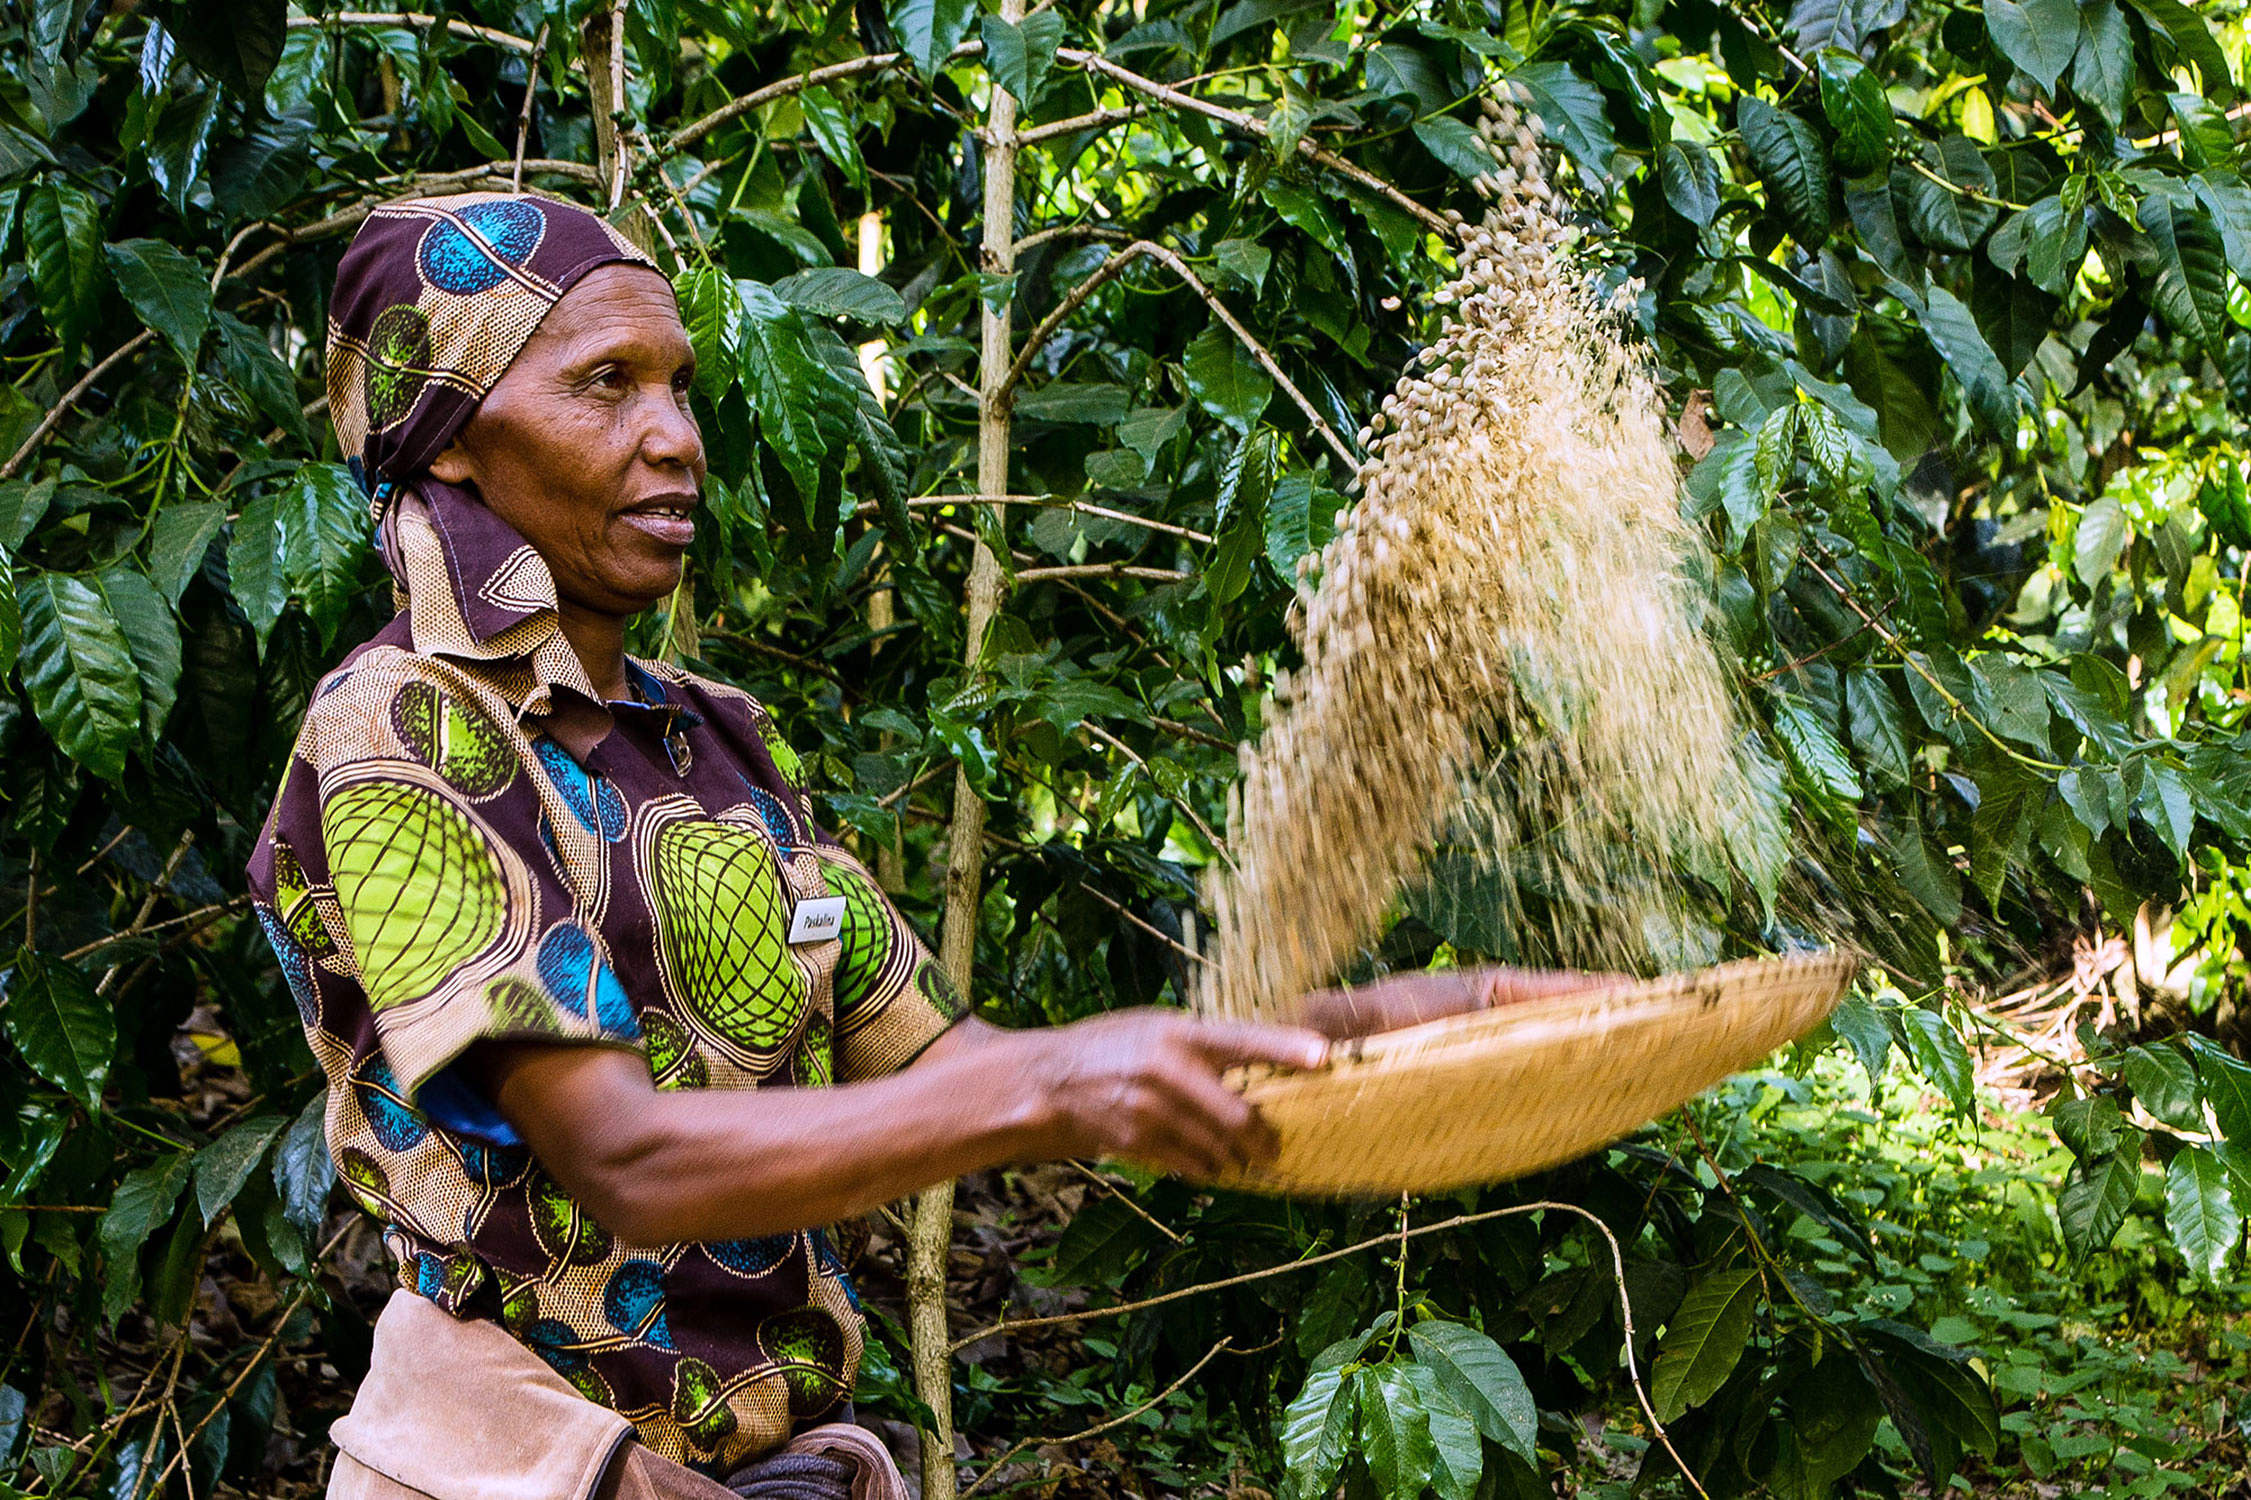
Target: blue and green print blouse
(469, 844)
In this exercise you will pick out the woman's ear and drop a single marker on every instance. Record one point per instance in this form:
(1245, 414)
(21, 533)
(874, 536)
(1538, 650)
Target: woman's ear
(453, 466)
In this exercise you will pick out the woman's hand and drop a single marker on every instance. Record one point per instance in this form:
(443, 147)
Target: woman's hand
(1145, 1085)
(1410, 999)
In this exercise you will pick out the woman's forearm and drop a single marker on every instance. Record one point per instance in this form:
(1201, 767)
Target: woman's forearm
(659, 1166)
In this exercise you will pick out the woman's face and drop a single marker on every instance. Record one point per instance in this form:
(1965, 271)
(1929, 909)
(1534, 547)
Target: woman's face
(586, 445)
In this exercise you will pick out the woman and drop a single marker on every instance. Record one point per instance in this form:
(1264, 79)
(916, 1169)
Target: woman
(576, 961)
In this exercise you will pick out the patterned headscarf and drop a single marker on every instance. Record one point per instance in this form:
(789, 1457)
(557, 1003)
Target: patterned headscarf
(434, 300)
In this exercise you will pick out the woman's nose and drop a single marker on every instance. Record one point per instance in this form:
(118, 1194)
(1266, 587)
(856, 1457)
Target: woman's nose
(672, 436)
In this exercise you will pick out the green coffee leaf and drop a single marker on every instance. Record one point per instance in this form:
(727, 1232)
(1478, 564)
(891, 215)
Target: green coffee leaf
(258, 373)
(2165, 1082)
(1339, 1301)
(237, 42)
(2039, 36)
(1457, 1455)
(1317, 1431)
(1856, 1021)
(1244, 262)
(1248, 478)
(178, 542)
(929, 30)
(1939, 1055)
(2083, 792)
(2103, 67)
(2191, 286)
(254, 566)
(834, 292)
(153, 636)
(1834, 1412)
(1572, 112)
(141, 1205)
(222, 1167)
(1821, 763)
(66, 1032)
(1878, 728)
(2087, 1126)
(1774, 450)
(2206, 136)
(711, 309)
(1305, 211)
(1853, 98)
(2055, 244)
(1954, 212)
(2097, 1194)
(11, 626)
(2192, 41)
(1102, 405)
(1954, 333)
(62, 236)
(256, 174)
(1790, 158)
(2011, 700)
(2099, 540)
(302, 1172)
(783, 379)
(1704, 1342)
(2236, 1162)
(13, 1406)
(1691, 182)
(179, 142)
(1036, 36)
(1930, 877)
(1812, 1200)
(1946, 1399)
(1480, 1378)
(171, 292)
(1456, 146)
(1394, 1430)
(320, 518)
(1225, 379)
(832, 131)
(2227, 1084)
(85, 684)
(2200, 1211)
(1300, 517)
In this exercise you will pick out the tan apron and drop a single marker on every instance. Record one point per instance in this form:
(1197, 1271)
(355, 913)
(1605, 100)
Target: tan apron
(455, 1409)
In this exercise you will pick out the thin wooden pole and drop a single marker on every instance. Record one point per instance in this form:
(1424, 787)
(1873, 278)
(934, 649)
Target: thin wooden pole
(932, 1230)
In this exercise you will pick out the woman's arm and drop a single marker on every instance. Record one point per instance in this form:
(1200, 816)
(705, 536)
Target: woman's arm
(658, 1166)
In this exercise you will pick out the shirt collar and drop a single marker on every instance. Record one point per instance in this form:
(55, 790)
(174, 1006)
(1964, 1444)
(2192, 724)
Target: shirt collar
(476, 591)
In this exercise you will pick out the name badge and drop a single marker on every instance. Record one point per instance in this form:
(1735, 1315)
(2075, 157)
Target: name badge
(817, 920)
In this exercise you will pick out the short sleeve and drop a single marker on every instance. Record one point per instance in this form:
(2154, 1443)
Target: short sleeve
(449, 913)
(892, 998)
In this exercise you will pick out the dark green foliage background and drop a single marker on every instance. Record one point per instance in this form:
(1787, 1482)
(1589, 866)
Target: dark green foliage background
(1951, 302)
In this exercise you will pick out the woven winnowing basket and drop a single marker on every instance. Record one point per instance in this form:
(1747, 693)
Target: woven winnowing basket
(1497, 1094)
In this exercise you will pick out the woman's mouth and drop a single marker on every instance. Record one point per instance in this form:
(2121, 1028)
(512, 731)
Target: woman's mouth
(670, 519)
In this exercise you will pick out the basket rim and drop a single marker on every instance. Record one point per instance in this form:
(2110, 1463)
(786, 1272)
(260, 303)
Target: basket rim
(1480, 1029)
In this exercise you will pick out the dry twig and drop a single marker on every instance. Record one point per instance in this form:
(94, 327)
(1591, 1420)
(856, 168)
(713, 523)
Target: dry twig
(1109, 270)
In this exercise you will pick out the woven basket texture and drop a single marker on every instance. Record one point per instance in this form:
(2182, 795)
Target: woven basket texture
(1497, 1094)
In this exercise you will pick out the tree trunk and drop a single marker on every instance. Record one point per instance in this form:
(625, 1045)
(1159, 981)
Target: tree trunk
(601, 50)
(933, 1216)
(890, 855)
